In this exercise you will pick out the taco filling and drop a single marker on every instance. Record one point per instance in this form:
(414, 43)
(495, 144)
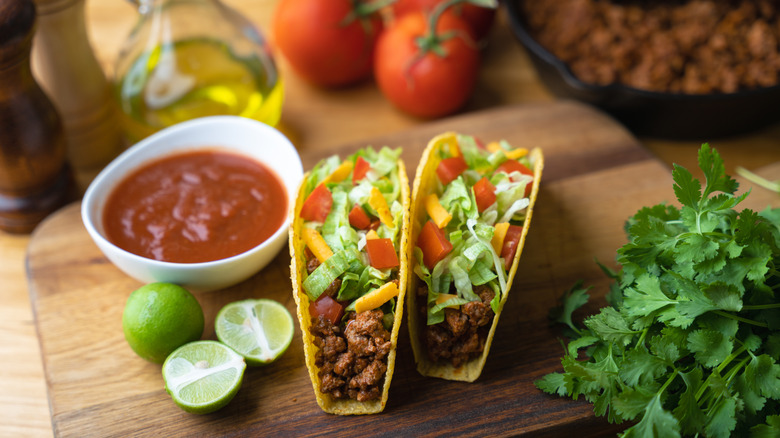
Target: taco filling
(352, 217)
(474, 208)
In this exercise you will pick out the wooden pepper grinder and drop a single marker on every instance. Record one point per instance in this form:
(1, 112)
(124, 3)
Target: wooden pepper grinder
(67, 70)
(35, 178)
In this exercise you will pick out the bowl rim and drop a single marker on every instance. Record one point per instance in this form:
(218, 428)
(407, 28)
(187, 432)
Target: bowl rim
(88, 200)
(519, 27)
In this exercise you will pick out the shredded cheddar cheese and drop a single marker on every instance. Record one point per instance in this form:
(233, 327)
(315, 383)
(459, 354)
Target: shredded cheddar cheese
(316, 244)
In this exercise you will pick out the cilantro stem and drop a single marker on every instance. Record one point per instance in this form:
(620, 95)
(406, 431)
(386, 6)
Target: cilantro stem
(762, 306)
(735, 368)
(740, 319)
(720, 368)
(641, 340)
(756, 179)
(669, 381)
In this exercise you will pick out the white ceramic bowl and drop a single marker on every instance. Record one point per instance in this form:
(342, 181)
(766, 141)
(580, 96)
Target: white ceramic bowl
(229, 133)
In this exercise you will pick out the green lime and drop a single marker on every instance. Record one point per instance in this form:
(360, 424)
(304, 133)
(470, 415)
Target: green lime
(260, 330)
(203, 376)
(159, 318)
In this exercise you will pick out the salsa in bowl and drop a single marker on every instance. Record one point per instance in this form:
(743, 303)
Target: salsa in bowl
(204, 204)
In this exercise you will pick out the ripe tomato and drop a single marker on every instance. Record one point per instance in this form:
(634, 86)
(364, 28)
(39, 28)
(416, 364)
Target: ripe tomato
(434, 244)
(329, 308)
(485, 194)
(427, 82)
(511, 241)
(510, 166)
(450, 168)
(480, 19)
(317, 206)
(358, 218)
(381, 253)
(361, 168)
(327, 42)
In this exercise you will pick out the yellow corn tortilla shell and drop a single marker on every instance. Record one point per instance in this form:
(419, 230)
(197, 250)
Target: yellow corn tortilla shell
(425, 182)
(298, 269)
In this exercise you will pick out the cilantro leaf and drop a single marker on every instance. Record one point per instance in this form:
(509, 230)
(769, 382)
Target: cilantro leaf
(571, 300)
(709, 346)
(722, 418)
(769, 430)
(686, 187)
(611, 326)
(714, 170)
(555, 383)
(689, 344)
(655, 422)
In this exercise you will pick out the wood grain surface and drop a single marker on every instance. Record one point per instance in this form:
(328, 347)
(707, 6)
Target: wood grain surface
(97, 386)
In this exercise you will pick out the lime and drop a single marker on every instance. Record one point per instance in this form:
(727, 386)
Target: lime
(260, 330)
(160, 317)
(203, 376)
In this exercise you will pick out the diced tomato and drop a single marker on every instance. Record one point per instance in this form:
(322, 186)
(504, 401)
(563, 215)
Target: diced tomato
(510, 166)
(317, 206)
(485, 194)
(381, 253)
(361, 168)
(449, 169)
(329, 308)
(509, 247)
(374, 224)
(479, 143)
(433, 243)
(358, 218)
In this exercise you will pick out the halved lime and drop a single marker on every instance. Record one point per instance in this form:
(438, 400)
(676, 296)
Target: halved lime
(203, 376)
(258, 329)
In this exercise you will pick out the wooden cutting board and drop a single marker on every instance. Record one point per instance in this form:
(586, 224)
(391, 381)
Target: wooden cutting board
(596, 176)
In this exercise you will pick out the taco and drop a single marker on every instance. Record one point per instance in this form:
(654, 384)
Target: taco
(348, 243)
(471, 209)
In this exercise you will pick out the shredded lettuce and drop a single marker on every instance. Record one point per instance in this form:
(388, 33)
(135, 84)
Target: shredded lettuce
(473, 261)
(320, 171)
(319, 280)
(349, 261)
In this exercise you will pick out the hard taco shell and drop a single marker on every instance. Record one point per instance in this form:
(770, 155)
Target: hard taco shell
(425, 182)
(298, 268)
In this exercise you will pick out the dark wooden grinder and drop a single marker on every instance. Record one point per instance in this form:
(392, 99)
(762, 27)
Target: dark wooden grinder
(35, 178)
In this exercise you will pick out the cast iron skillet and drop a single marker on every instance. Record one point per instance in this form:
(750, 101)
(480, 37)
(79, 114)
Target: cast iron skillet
(646, 113)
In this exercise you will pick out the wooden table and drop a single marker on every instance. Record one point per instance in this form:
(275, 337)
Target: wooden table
(313, 118)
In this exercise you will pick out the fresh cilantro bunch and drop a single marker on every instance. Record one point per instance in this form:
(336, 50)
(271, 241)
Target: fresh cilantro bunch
(689, 345)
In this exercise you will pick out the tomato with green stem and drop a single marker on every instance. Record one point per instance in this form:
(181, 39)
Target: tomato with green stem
(328, 42)
(480, 18)
(427, 65)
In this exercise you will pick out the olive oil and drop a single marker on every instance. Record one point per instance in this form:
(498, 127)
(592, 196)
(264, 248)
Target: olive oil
(195, 78)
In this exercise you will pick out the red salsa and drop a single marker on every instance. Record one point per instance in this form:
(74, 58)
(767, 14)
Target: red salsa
(195, 207)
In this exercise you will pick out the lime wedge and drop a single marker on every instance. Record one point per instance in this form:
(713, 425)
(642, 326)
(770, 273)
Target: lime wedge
(260, 330)
(203, 376)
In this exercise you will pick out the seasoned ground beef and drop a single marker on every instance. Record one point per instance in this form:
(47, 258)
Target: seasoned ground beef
(463, 333)
(678, 46)
(353, 361)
